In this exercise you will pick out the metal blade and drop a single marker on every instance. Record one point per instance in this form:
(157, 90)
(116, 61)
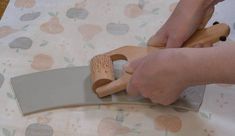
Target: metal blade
(68, 87)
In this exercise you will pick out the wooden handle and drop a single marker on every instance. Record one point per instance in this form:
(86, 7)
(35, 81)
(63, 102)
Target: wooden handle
(204, 36)
(104, 84)
(114, 87)
(3, 6)
(210, 35)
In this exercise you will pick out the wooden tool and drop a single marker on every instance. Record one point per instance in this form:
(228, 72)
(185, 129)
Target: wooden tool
(3, 6)
(102, 75)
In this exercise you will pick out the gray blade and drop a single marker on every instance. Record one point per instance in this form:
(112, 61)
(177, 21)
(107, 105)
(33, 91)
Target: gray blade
(68, 87)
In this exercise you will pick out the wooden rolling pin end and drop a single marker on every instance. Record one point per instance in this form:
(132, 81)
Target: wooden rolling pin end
(101, 71)
(210, 35)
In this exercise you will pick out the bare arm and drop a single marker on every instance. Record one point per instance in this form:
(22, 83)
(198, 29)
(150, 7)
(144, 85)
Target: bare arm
(162, 76)
(188, 16)
(213, 65)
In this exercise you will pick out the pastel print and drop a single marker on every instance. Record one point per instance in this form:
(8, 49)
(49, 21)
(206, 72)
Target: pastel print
(42, 62)
(43, 119)
(225, 85)
(25, 3)
(168, 123)
(88, 31)
(30, 16)
(1, 80)
(21, 43)
(117, 28)
(77, 12)
(37, 129)
(111, 127)
(53, 26)
(134, 10)
(6, 30)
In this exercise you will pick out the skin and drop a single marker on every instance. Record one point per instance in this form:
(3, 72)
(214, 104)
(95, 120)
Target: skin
(162, 76)
(191, 14)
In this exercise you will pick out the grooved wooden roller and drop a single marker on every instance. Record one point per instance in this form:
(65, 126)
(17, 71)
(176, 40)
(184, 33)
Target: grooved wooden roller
(102, 67)
(3, 6)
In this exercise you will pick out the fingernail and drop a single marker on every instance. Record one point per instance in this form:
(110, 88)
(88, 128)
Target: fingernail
(128, 68)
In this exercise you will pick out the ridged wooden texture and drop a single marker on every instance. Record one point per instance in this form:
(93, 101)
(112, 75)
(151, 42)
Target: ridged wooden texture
(102, 71)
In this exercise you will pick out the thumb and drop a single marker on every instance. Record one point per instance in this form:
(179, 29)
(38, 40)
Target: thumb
(159, 39)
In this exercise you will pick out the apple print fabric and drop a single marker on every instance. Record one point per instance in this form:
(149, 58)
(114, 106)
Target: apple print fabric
(38, 35)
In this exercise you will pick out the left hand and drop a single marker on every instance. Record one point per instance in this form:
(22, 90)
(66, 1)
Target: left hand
(188, 16)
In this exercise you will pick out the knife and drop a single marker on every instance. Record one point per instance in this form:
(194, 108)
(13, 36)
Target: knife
(74, 86)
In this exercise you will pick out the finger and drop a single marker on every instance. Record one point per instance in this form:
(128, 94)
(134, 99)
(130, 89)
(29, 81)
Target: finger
(159, 39)
(162, 100)
(132, 66)
(156, 41)
(206, 18)
(132, 88)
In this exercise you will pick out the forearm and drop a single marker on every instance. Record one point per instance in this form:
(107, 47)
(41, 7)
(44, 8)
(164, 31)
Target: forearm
(202, 3)
(213, 65)
(197, 6)
(193, 13)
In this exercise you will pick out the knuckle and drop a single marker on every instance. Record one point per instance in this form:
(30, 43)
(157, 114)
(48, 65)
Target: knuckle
(146, 94)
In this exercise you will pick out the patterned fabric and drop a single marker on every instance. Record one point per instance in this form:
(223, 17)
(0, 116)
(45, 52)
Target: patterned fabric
(37, 35)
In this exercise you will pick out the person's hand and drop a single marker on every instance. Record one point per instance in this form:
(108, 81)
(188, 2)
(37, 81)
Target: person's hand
(188, 16)
(164, 74)
(161, 76)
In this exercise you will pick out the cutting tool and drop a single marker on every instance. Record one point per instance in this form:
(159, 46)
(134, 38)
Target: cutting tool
(102, 72)
(69, 87)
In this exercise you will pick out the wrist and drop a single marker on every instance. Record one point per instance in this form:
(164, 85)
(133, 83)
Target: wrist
(199, 66)
(202, 66)
(211, 65)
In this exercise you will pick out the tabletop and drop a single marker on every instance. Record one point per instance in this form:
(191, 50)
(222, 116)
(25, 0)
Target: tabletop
(58, 34)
